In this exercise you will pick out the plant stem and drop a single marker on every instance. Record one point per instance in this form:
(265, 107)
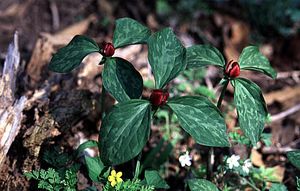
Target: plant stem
(103, 93)
(138, 167)
(168, 122)
(250, 184)
(210, 161)
(222, 94)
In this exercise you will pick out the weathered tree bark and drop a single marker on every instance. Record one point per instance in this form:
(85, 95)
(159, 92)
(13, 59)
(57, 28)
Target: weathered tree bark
(10, 107)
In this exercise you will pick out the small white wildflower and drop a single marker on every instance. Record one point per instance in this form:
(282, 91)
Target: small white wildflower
(233, 161)
(185, 160)
(247, 165)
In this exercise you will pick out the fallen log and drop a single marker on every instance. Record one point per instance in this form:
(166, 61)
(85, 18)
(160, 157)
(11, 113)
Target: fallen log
(10, 107)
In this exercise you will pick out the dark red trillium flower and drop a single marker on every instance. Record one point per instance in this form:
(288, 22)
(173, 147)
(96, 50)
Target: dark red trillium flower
(108, 49)
(159, 97)
(232, 69)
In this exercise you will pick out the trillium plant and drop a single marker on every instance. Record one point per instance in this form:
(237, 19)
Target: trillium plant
(126, 128)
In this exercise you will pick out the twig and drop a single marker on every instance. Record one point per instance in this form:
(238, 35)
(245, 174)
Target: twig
(55, 15)
(276, 150)
(280, 150)
(286, 113)
(103, 94)
(294, 74)
(208, 83)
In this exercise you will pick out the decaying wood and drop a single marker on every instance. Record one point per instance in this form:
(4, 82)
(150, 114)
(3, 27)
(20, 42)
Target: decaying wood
(10, 107)
(67, 108)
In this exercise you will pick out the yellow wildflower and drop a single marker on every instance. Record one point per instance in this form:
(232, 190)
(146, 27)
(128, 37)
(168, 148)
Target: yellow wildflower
(115, 178)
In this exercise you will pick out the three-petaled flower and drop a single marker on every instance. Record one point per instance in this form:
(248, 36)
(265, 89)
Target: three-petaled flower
(115, 178)
(185, 160)
(233, 161)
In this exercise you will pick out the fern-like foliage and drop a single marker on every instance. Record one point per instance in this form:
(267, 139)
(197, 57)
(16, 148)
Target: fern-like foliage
(129, 185)
(50, 179)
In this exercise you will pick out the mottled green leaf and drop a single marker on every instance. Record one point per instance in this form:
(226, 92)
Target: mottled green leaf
(251, 108)
(252, 59)
(85, 145)
(129, 31)
(94, 166)
(124, 131)
(294, 158)
(203, 55)
(166, 56)
(70, 56)
(154, 179)
(201, 119)
(201, 185)
(121, 79)
(91, 188)
(278, 187)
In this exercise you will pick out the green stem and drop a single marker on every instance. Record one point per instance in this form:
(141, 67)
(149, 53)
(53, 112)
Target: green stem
(168, 122)
(210, 161)
(250, 184)
(222, 94)
(103, 93)
(210, 164)
(138, 167)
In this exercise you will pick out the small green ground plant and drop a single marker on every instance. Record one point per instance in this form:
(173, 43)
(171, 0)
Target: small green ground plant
(126, 129)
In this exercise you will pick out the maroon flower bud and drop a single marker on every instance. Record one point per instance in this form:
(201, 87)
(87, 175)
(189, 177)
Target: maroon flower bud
(159, 97)
(232, 69)
(108, 49)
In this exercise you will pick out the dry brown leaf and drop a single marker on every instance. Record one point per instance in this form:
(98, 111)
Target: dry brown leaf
(235, 34)
(236, 40)
(256, 158)
(44, 47)
(15, 9)
(78, 28)
(283, 95)
(152, 22)
(106, 8)
(279, 172)
(41, 54)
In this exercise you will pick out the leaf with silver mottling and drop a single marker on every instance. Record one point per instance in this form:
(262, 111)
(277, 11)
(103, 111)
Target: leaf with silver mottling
(201, 119)
(203, 55)
(124, 131)
(166, 56)
(129, 31)
(70, 56)
(294, 158)
(252, 59)
(121, 79)
(251, 108)
(154, 179)
(201, 185)
(94, 166)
